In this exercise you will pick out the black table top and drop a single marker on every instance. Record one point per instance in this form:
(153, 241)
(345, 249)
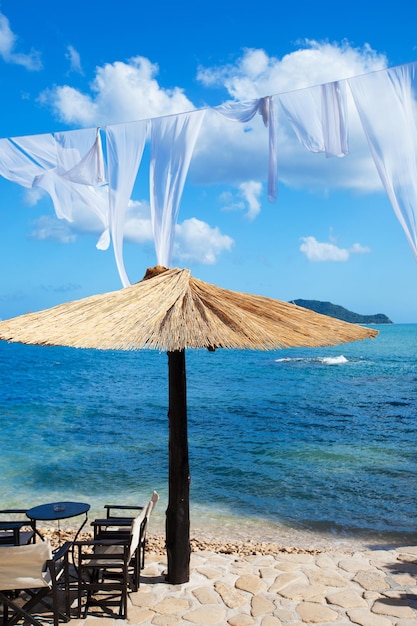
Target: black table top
(57, 510)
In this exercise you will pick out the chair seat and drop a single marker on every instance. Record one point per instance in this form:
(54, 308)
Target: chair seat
(13, 531)
(9, 537)
(117, 554)
(35, 571)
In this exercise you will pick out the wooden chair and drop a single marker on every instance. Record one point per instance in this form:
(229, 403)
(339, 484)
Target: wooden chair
(15, 529)
(108, 568)
(33, 569)
(118, 527)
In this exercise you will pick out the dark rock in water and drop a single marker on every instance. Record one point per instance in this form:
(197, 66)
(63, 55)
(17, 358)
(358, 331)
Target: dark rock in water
(340, 313)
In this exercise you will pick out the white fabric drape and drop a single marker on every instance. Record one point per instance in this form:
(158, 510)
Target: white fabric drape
(318, 116)
(71, 165)
(244, 112)
(386, 102)
(172, 143)
(67, 165)
(16, 166)
(125, 144)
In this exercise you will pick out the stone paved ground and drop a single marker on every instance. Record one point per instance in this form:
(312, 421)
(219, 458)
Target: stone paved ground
(367, 587)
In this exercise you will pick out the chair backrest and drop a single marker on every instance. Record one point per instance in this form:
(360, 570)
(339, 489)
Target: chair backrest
(139, 524)
(136, 531)
(151, 504)
(21, 567)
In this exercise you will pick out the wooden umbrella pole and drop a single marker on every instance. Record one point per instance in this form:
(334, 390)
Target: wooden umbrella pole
(178, 511)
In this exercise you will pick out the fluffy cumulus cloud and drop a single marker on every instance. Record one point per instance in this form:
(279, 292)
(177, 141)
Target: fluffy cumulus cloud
(138, 225)
(197, 242)
(257, 74)
(120, 92)
(326, 251)
(9, 48)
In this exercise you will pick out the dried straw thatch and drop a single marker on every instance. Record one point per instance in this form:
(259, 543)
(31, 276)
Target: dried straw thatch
(170, 310)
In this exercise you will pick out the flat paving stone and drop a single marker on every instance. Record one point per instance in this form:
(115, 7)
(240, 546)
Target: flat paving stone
(347, 599)
(364, 617)
(261, 606)
(312, 613)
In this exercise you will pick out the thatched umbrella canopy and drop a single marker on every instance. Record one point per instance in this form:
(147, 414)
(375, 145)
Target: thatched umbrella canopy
(170, 310)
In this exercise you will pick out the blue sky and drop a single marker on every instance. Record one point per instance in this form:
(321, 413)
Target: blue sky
(331, 235)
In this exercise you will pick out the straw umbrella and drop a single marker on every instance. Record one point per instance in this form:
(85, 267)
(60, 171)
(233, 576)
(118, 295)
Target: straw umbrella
(170, 310)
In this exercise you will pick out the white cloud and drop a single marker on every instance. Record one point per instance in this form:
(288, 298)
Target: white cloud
(120, 92)
(357, 248)
(33, 195)
(71, 106)
(197, 242)
(138, 225)
(46, 227)
(255, 74)
(322, 251)
(8, 40)
(251, 192)
(74, 58)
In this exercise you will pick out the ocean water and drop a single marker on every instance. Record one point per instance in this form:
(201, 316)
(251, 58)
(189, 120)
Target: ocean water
(317, 440)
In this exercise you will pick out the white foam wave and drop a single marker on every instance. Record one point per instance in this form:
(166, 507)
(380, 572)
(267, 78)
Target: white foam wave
(334, 360)
(326, 360)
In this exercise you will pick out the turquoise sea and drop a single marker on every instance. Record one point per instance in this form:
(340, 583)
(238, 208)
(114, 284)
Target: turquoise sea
(320, 440)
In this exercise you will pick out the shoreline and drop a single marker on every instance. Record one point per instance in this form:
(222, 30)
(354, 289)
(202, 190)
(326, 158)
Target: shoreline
(292, 541)
(225, 532)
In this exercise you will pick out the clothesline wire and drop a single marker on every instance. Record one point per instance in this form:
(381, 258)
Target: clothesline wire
(275, 95)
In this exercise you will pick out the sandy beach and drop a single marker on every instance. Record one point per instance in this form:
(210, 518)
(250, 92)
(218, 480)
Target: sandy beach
(249, 583)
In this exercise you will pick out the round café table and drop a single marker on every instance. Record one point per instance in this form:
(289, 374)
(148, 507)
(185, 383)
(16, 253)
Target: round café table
(56, 511)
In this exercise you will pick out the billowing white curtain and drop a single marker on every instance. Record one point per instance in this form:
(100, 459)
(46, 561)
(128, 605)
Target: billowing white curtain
(172, 144)
(68, 165)
(125, 144)
(386, 102)
(318, 116)
(17, 166)
(243, 112)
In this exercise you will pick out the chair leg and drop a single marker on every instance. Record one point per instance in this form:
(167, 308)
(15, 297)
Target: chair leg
(5, 613)
(41, 599)
(123, 599)
(19, 611)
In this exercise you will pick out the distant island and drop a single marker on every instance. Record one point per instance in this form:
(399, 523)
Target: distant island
(334, 310)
